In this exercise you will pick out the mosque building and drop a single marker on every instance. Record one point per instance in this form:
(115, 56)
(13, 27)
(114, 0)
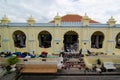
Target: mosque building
(69, 33)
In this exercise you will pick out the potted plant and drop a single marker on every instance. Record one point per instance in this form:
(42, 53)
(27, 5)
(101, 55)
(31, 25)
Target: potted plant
(12, 62)
(99, 65)
(99, 62)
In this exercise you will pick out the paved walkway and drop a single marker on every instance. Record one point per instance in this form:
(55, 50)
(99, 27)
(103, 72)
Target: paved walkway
(66, 75)
(2, 72)
(6, 76)
(9, 76)
(33, 77)
(79, 72)
(73, 75)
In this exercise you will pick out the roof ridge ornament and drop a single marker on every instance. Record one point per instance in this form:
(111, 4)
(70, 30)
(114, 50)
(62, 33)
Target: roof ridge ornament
(86, 16)
(31, 20)
(57, 19)
(111, 22)
(85, 20)
(5, 20)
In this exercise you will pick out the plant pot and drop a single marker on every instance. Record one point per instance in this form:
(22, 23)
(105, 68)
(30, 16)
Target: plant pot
(13, 67)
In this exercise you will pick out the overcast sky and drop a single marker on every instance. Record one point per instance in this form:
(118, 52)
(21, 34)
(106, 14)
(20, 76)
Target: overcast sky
(45, 10)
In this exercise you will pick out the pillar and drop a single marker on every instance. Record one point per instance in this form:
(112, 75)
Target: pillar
(5, 40)
(110, 42)
(85, 40)
(5, 35)
(57, 40)
(31, 37)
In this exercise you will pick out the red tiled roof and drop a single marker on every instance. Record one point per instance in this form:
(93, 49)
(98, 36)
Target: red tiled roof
(72, 18)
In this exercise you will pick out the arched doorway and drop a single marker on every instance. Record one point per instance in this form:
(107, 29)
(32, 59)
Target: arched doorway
(19, 38)
(44, 39)
(71, 41)
(97, 40)
(118, 41)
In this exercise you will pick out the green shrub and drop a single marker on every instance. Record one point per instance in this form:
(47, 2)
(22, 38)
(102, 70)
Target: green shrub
(12, 60)
(99, 61)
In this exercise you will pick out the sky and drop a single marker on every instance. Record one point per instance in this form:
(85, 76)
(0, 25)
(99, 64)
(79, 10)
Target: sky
(45, 10)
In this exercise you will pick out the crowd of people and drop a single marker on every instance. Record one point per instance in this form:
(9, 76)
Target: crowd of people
(19, 40)
(23, 54)
(71, 47)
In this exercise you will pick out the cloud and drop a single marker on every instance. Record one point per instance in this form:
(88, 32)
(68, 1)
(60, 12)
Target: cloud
(44, 11)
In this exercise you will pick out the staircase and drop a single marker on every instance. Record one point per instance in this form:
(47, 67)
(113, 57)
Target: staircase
(74, 62)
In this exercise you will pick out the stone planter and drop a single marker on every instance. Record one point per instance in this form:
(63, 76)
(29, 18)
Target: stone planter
(13, 67)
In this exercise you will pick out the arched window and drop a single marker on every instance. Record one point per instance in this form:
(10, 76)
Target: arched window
(97, 40)
(19, 38)
(118, 41)
(44, 39)
(71, 41)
